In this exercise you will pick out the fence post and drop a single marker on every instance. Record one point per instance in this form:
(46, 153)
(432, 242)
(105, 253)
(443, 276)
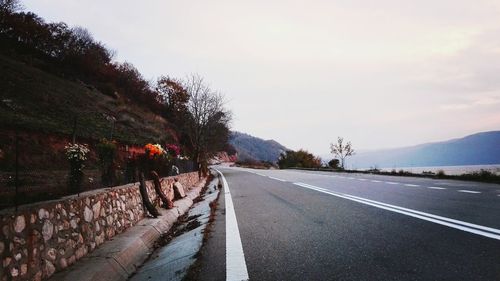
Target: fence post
(112, 129)
(16, 180)
(74, 130)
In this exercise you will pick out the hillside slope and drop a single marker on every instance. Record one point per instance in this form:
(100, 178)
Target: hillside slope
(477, 149)
(253, 148)
(34, 100)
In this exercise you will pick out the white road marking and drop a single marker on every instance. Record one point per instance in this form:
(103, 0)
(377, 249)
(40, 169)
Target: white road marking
(362, 179)
(436, 187)
(391, 182)
(468, 191)
(236, 267)
(454, 184)
(375, 181)
(351, 178)
(412, 185)
(277, 179)
(457, 224)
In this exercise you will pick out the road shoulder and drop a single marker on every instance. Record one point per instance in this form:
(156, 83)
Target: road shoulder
(211, 263)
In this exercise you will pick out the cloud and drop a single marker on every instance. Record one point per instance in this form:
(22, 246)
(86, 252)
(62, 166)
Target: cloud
(468, 70)
(473, 102)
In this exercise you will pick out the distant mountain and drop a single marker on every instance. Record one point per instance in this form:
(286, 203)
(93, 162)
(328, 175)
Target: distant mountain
(477, 149)
(253, 148)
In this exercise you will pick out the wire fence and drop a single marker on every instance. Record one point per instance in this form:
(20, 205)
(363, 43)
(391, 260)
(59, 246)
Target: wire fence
(34, 169)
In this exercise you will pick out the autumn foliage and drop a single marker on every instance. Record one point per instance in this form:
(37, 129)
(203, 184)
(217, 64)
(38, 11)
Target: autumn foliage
(72, 52)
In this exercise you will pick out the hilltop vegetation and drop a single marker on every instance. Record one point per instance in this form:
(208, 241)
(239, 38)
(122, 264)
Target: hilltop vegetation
(35, 100)
(51, 74)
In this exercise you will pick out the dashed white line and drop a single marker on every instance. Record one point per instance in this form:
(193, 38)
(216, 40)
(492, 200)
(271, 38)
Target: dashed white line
(468, 191)
(453, 223)
(351, 178)
(277, 179)
(236, 267)
(375, 181)
(436, 187)
(391, 182)
(362, 179)
(412, 185)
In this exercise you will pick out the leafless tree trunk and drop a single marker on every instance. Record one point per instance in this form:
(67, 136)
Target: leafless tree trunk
(145, 198)
(164, 199)
(208, 128)
(342, 150)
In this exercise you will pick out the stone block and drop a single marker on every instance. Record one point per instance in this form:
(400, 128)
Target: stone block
(19, 224)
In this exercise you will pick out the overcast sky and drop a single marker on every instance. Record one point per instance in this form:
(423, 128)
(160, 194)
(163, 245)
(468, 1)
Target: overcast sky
(383, 73)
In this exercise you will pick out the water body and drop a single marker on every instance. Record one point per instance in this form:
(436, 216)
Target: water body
(449, 170)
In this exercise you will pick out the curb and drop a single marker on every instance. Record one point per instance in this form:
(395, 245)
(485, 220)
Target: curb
(119, 257)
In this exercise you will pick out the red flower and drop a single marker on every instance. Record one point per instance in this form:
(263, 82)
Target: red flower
(173, 149)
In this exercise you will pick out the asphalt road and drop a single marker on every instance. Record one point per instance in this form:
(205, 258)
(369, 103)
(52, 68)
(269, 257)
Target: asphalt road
(298, 225)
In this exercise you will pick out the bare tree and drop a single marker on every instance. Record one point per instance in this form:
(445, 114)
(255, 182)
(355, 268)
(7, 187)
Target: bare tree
(208, 127)
(342, 150)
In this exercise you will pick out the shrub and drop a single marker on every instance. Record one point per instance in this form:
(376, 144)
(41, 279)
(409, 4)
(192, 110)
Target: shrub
(482, 175)
(485, 173)
(173, 150)
(76, 154)
(440, 174)
(334, 163)
(300, 159)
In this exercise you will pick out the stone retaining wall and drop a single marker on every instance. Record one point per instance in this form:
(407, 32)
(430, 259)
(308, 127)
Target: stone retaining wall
(42, 238)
